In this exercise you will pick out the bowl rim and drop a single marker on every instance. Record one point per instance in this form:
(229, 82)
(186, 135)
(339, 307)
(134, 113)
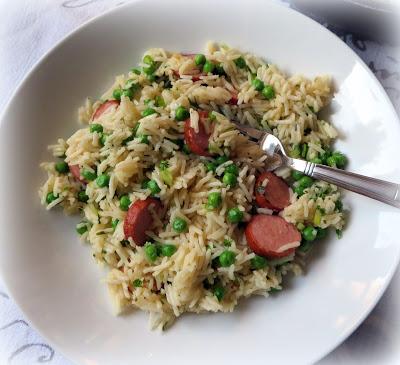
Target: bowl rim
(132, 3)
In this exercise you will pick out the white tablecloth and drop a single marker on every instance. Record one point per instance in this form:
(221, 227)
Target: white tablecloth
(28, 28)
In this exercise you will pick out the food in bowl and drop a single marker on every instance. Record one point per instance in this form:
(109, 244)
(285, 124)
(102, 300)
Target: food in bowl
(175, 201)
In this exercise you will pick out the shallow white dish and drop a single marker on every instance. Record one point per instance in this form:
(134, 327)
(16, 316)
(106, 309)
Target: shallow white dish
(57, 284)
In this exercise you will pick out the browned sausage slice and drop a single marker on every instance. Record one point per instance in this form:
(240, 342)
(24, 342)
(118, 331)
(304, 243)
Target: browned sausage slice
(104, 107)
(197, 142)
(271, 236)
(138, 220)
(274, 195)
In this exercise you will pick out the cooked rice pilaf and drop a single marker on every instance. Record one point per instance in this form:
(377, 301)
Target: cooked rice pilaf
(105, 167)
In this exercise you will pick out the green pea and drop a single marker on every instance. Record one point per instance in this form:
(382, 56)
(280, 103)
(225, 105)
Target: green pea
(148, 60)
(258, 262)
(150, 251)
(258, 84)
(210, 166)
(149, 71)
(114, 224)
(88, 175)
(128, 93)
(229, 179)
(181, 113)
(137, 283)
(299, 190)
(124, 202)
(232, 169)
(143, 138)
(331, 161)
(153, 187)
(103, 180)
(234, 215)
(186, 149)
(240, 62)
(50, 197)
(82, 196)
(316, 160)
(167, 250)
(117, 94)
(306, 182)
(81, 229)
(340, 159)
(159, 101)
(324, 156)
(147, 112)
(219, 292)
(221, 159)
(179, 225)
(227, 258)
(268, 92)
(309, 233)
(208, 67)
(62, 167)
(321, 233)
(96, 128)
(199, 59)
(296, 175)
(103, 139)
(214, 200)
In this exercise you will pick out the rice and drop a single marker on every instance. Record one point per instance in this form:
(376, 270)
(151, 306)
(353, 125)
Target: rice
(132, 149)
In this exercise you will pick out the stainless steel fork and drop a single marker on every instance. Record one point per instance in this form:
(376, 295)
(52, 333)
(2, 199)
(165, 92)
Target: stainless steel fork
(384, 191)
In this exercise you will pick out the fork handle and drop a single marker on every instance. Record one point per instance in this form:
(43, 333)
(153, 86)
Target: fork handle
(384, 191)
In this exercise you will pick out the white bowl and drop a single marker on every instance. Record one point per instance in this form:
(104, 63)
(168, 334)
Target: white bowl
(54, 279)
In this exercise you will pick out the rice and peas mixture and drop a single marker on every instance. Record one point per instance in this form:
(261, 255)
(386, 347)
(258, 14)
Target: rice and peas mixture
(132, 147)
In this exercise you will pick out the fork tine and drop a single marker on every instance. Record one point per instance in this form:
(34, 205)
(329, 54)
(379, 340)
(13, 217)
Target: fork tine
(249, 131)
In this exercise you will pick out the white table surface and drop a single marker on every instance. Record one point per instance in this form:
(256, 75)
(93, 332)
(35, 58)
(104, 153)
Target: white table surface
(27, 31)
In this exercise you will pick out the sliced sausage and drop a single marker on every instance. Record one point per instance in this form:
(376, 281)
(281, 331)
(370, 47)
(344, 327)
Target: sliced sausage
(76, 173)
(197, 142)
(271, 236)
(138, 220)
(105, 107)
(274, 195)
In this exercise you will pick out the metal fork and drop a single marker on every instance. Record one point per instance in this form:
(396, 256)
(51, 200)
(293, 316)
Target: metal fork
(384, 191)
